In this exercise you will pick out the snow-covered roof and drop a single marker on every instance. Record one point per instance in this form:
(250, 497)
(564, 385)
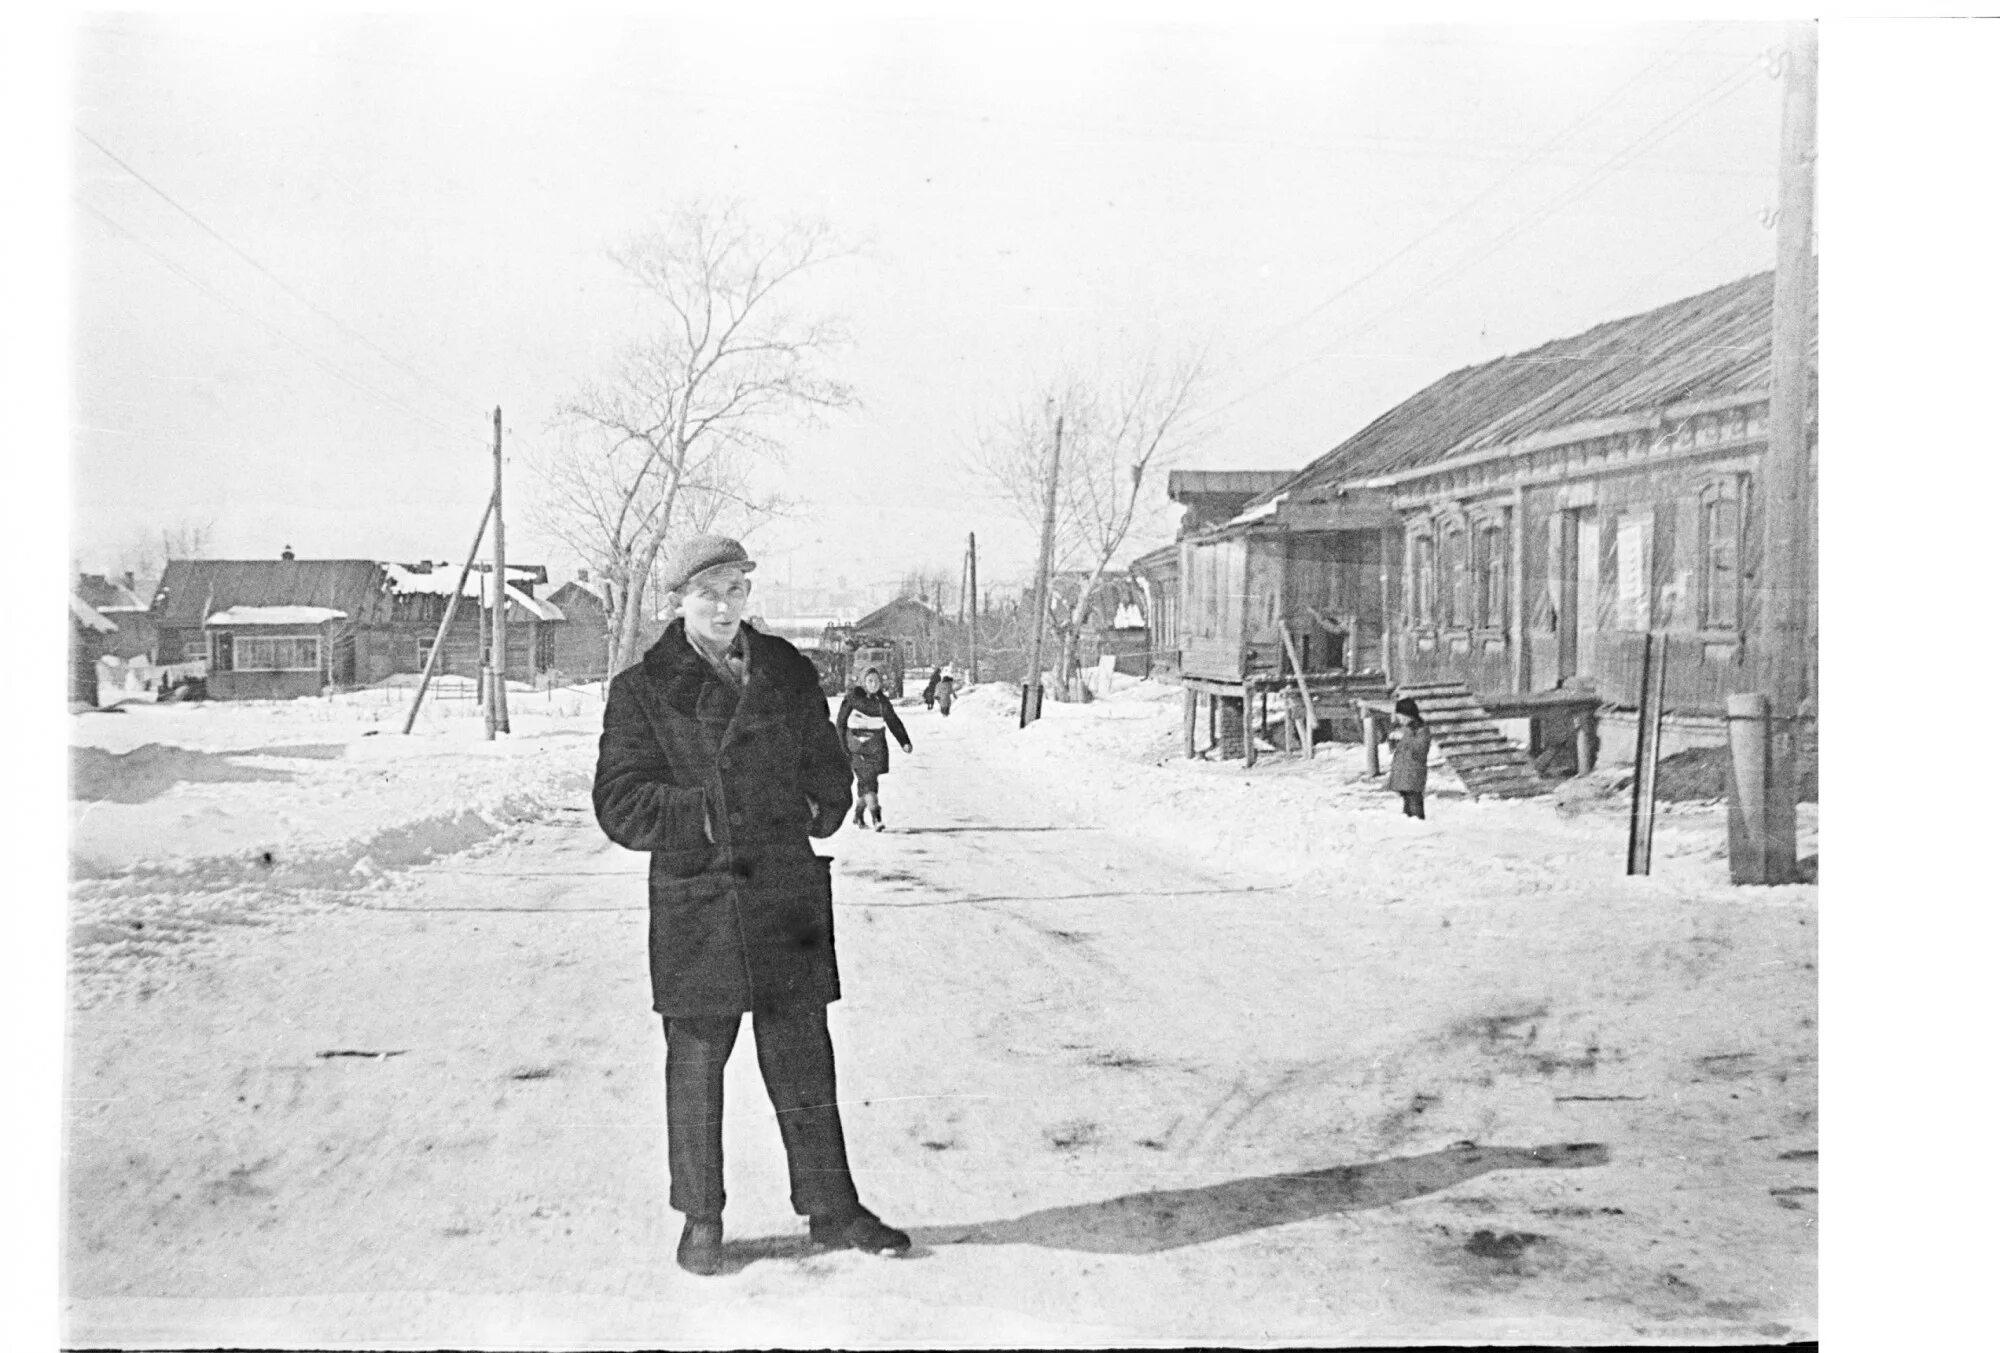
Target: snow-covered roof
(82, 612)
(275, 615)
(438, 581)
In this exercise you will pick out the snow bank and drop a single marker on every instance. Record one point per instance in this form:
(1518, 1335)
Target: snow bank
(188, 816)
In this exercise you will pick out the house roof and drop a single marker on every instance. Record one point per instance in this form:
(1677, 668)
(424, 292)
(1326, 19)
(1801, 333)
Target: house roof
(275, 615)
(902, 608)
(1185, 484)
(103, 595)
(83, 613)
(438, 580)
(191, 590)
(1712, 348)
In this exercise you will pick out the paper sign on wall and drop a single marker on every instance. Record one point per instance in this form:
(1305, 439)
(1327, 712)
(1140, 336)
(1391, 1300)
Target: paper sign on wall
(1634, 575)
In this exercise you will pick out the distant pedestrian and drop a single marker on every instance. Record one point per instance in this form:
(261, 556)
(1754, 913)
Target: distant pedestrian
(931, 686)
(946, 686)
(867, 717)
(719, 759)
(1410, 770)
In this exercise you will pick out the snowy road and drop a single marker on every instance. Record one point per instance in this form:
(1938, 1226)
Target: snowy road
(1119, 1089)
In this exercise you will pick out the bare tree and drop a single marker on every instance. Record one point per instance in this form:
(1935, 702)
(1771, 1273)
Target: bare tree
(669, 439)
(1118, 434)
(187, 539)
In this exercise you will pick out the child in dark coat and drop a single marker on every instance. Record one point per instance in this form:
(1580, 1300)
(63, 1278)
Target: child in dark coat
(1410, 770)
(866, 719)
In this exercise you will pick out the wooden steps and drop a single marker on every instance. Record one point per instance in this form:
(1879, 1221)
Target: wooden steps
(1464, 734)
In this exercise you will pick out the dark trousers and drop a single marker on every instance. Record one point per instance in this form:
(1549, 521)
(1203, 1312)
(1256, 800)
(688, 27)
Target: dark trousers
(795, 1053)
(1413, 802)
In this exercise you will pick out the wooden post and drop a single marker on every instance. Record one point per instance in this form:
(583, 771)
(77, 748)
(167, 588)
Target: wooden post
(496, 706)
(1031, 706)
(1517, 591)
(1646, 758)
(972, 563)
(1755, 854)
(1586, 741)
(450, 610)
(1371, 738)
(1305, 691)
(1249, 739)
(1788, 525)
(1188, 698)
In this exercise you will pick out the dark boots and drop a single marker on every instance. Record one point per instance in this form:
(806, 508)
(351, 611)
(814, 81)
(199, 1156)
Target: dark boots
(858, 1230)
(701, 1246)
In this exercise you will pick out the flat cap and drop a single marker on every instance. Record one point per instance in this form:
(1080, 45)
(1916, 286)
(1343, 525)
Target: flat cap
(696, 555)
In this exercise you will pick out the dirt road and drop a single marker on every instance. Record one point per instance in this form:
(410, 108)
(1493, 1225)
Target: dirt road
(1116, 1092)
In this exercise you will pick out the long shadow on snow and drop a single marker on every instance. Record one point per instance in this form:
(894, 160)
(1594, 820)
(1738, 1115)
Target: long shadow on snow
(145, 773)
(1172, 1219)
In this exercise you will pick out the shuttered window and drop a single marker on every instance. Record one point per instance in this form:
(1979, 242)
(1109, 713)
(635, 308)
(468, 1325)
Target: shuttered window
(1721, 545)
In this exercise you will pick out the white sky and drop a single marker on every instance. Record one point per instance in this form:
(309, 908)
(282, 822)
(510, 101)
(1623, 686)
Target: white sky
(446, 191)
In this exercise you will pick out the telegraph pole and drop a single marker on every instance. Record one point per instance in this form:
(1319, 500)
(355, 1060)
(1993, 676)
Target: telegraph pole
(972, 568)
(1764, 747)
(496, 706)
(1031, 693)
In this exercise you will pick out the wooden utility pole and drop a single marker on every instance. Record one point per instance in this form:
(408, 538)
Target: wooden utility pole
(1770, 854)
(450, 610)
(972, 568)
(496, 705)
(1031, 693)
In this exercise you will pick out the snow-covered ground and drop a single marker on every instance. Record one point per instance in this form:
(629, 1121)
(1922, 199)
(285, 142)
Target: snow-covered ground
(1139, 1048)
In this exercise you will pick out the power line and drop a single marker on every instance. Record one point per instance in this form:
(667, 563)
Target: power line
(287, 287)
(277, 333)
(1539, 152)
(1617, 161)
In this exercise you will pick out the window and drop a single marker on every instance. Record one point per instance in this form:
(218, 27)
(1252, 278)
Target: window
(274, 653)
(1423, 588)
(1721, 583)
(1457, 578)
(1490, 581)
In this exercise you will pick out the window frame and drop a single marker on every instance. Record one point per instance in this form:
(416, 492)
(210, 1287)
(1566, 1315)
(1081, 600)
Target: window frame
(243, 645)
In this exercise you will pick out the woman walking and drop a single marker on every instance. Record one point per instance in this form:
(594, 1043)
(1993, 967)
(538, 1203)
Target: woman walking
(1409, 772)
(867, 717)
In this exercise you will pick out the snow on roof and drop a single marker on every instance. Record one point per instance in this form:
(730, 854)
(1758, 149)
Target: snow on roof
(275, 615)
(438, 580)
(85, 615)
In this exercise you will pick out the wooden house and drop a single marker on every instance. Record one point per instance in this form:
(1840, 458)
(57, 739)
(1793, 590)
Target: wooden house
(303, 624)
(90, 633)
(1547, 510)
(1520, 526)
(420, 594)
(926, 637)
(580, 647)
(117, 600)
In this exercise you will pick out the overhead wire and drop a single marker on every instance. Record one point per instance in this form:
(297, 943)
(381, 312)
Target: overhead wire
(315, 358)
(1619, 160)
(1540, 152)
(287, 287)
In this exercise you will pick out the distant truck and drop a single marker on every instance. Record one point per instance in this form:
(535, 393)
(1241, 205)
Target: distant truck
(843, 655)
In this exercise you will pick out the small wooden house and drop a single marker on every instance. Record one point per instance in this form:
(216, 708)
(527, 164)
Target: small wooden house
(337, 633)
(580, 647)
(89, 634)
(278, 652)
(117, 600)
(927, 637)
(420, 594)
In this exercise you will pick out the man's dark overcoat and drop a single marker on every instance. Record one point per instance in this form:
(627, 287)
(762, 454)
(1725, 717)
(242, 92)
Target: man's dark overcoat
(742, 920)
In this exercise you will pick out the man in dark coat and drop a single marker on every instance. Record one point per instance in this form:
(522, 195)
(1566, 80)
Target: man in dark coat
(718, 758)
